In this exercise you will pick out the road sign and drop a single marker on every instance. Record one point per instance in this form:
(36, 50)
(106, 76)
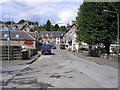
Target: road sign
(28, 42)
(8, 39)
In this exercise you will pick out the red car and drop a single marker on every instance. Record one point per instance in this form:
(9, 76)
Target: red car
(62, 46)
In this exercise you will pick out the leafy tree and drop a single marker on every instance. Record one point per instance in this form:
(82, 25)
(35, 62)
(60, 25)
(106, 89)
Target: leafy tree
(21, 21)
(48, 25)
(36, 23)
(57, 28)
(95, 26)
(42, 28)
(29, 22)
(62, 28)
(52, 28)
(8, 22)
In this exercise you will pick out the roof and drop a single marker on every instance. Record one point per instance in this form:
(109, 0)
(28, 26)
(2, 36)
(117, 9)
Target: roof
(69, 28)
(15, 35)
(20, 26)
(46, 33)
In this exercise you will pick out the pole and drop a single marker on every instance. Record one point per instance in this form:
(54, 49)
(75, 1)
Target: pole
(8, 50)
(118, 27)
(118, 35)
(8, 45)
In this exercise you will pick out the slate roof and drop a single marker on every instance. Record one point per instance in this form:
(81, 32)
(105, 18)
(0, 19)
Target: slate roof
(19, 26)
(0, 25)
(15, 35)
(45, 33)
(69, 28)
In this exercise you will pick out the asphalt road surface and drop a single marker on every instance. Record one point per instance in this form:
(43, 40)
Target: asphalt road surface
(64, 70)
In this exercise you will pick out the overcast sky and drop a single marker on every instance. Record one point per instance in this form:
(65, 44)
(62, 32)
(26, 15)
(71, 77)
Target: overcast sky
(58, 12)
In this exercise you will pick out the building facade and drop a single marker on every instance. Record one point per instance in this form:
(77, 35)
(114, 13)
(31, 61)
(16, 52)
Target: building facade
(48, 37)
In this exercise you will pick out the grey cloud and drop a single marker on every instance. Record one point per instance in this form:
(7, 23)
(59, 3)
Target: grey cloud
(36, 11)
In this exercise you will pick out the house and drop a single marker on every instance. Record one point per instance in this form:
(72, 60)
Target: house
(19, 42)
(51, 37)
(29, 28)
(70, 38)
(14, 26)
(3, 26)
(17, 37)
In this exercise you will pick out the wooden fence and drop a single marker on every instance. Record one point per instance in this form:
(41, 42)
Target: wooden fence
(14, 53)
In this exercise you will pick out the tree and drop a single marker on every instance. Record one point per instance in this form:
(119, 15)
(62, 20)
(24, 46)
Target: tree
(48, 25)
(95, 26)
(42, 28)
(62, 28)
(8, 22)
(52, 28)
(21, 21)
(57, 27)
(36, 23)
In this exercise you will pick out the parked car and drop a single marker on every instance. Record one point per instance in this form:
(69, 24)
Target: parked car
(46, 49)
(97, 52)
(62, 46)
(53, 47)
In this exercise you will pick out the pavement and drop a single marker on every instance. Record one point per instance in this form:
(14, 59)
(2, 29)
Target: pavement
(112, 61)
(7, 63)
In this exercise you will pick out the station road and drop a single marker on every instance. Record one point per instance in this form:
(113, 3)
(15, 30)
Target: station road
(64, 70)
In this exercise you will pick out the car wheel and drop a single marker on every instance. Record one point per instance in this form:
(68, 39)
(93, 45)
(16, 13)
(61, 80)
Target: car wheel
(42, 53)
(99, 54)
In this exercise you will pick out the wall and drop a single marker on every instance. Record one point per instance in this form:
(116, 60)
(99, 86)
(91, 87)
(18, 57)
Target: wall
(17, 43)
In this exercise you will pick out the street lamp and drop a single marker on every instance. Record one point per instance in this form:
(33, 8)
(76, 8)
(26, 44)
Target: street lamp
(117, 27)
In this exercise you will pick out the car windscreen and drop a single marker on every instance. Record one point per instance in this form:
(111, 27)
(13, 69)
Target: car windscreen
(62, 45)
(46, 46)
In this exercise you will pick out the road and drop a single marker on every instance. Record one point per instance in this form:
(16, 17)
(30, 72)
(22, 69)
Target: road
(64, 70)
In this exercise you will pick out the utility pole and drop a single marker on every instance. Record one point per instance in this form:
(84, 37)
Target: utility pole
(8, 45)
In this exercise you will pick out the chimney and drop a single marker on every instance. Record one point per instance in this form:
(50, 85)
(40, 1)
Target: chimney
(26, 22)
(73, 22)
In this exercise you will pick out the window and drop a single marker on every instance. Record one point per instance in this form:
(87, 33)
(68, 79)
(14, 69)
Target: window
(5, 35)
(46, 35)
(17, 36)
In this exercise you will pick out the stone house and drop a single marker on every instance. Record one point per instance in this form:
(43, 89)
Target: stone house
(70, 39)
(14, 26)
(51, 37)
(18, 45)
(17, 38)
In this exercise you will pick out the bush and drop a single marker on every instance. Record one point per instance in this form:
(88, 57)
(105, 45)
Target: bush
(114, 49)
(97, 52)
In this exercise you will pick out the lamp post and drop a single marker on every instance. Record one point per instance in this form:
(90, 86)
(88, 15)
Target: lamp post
(8, 38)
(117, 28)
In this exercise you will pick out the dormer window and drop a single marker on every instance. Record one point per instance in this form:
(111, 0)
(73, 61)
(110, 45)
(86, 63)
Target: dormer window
(5, 35)
(17, 36)
(46, 35)
(51, 36)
